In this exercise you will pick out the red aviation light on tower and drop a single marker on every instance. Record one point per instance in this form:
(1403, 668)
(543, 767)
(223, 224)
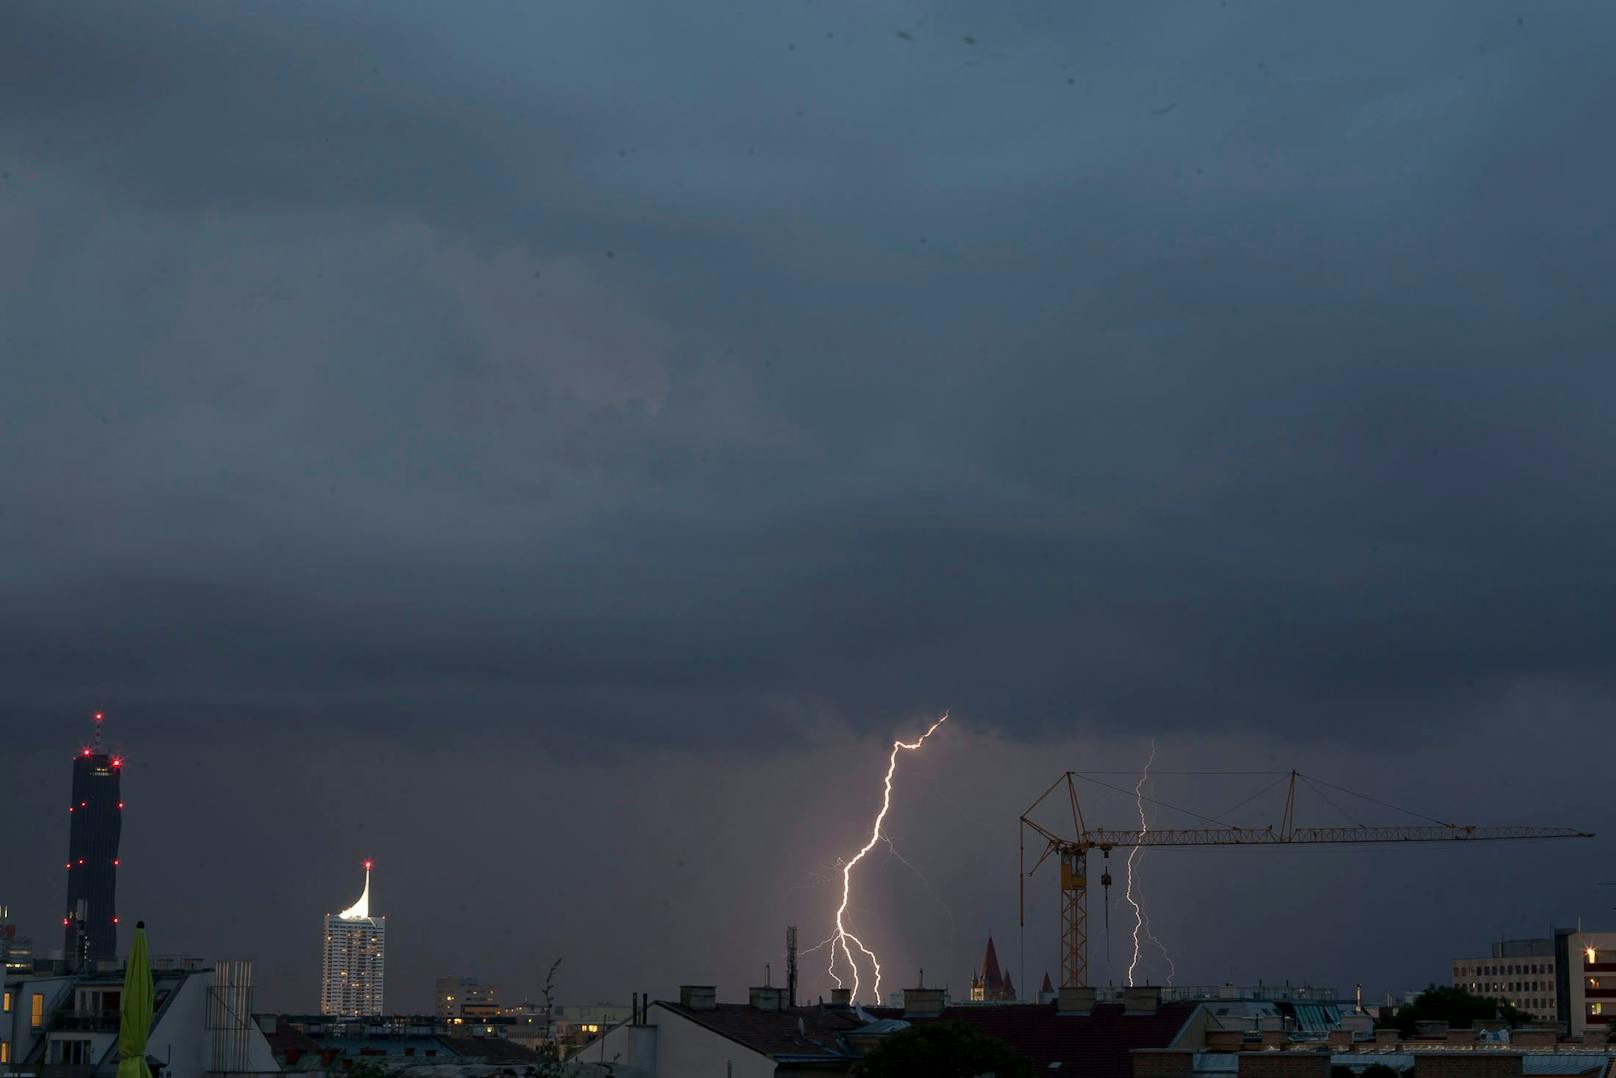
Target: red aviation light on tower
(117, 761)
(368, 865)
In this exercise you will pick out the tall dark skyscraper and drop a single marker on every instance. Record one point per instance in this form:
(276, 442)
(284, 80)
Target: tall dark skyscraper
(96, 812)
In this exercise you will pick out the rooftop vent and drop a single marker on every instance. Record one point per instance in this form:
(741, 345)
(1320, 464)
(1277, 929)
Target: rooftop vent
(1141, 999)
(922, 1002)
(1078, 1000)
(698, 997)
(769, 998)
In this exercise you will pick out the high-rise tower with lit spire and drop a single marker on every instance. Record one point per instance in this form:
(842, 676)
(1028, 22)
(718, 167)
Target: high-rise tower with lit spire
(351, 971)
(90, 921)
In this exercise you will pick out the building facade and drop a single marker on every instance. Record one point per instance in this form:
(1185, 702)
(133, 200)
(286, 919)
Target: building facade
(353, 963)
(1586, 975)
(465, 998)
(65, 1025)
(1520, 972)
(90, 919)
(16, 950)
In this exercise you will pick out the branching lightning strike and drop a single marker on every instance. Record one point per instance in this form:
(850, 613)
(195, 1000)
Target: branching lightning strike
(842, 936)
(1141, 920)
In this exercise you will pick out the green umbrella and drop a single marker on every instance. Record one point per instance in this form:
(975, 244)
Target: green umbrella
(134, 1023)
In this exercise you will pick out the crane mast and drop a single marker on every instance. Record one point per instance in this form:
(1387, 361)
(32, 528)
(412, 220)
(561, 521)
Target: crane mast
(1072, 853)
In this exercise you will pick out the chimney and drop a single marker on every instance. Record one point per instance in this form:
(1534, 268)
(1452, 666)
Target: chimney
(841, 997)
(1077, 1000)
(698, 997)
(1141, 999)
(769, 998)
(922, 1002)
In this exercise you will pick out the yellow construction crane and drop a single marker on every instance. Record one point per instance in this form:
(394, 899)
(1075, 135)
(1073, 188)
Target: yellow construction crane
(1073, 853)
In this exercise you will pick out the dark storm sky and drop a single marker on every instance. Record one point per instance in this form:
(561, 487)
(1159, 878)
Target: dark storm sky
(549, 448)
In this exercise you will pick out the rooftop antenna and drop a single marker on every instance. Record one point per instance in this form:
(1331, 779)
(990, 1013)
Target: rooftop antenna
(97, 720)
(791, 963)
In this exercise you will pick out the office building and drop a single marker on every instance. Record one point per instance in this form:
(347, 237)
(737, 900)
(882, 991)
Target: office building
(95, 814)
(354, 960)
(1520, 972)
(1586, 979)
(465, 999)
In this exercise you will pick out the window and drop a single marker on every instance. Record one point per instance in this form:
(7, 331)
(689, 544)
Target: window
(36, 1010)
(5, 1003)
(5, 1051)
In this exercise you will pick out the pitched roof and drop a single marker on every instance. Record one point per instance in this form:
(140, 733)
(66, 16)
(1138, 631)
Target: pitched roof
(1047, 987)
(1009, 988)
(991, 976)
(1095, 1045)
(798, 1032)
(493, 1049)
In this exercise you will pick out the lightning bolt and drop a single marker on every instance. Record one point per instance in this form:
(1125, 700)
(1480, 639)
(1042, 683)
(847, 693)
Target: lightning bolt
(842, 936)
(1141, 920)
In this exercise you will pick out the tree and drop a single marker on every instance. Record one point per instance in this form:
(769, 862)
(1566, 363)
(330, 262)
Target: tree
(1458, 1008)
(943, 1050)
(550, 1064)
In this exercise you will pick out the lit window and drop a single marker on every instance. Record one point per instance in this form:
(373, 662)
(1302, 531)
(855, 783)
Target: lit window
(1596, 1008)
(6, 1000)
(5, 1051)
(36, 1013)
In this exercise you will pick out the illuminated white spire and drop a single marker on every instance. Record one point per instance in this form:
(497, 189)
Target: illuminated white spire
(359, 910)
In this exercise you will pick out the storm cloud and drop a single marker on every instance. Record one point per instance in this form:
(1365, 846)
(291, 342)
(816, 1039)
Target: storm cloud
(641, 380)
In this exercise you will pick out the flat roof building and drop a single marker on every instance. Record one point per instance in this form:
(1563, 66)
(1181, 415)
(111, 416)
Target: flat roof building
(1520, 972)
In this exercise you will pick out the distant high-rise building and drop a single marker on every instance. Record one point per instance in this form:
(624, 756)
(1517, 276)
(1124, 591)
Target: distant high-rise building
(16, 952)
(351, 971)
(466, 998)
(90, 922)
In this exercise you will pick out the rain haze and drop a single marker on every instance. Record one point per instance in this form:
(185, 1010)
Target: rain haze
(554, 449)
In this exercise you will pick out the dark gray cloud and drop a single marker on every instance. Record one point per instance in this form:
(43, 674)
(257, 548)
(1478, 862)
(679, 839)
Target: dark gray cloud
(637, 379)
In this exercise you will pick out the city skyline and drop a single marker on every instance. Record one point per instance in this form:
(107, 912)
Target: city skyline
(556, 450)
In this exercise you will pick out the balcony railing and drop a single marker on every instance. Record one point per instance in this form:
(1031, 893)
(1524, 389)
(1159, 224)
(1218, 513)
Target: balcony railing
(85, 1020)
